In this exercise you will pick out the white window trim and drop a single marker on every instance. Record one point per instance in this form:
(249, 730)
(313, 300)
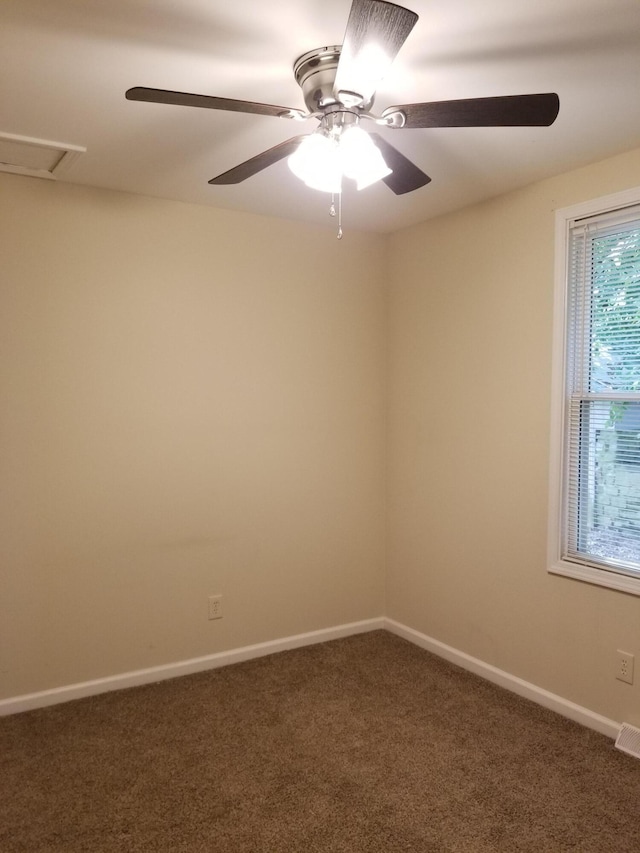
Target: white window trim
(557, 499)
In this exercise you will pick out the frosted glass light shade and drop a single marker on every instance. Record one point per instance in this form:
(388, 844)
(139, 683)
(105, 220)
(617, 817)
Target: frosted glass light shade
(361, 159)
(321, 161)
(316, 161)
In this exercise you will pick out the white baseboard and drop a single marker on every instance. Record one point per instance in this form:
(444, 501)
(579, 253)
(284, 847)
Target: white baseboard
(30, 701)
(510, 682)
(491, 673)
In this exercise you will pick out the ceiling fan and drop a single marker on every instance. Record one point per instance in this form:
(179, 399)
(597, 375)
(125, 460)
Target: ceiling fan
(338, 85)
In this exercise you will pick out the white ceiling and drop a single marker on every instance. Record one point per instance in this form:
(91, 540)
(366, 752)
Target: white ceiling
(65, 66)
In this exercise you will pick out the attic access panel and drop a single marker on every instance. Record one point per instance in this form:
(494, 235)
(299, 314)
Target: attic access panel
(38, 158)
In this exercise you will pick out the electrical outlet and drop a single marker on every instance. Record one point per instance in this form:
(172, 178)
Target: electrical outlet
(624, 667)
(215, 607)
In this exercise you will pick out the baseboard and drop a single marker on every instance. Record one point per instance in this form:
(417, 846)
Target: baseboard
(504, 679)
(31, 701)
(491, 673)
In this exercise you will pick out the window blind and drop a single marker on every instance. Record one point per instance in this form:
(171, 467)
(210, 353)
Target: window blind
(602, 479)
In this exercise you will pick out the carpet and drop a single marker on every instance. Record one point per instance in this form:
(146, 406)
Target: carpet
(361, 745)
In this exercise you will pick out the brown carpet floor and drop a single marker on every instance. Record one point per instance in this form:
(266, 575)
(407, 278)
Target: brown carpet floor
(354, 746)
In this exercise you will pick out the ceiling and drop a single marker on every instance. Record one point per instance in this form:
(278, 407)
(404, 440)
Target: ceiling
(66, 65)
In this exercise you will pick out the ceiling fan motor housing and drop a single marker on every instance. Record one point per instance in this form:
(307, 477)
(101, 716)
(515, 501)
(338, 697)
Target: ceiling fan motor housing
(315, 73)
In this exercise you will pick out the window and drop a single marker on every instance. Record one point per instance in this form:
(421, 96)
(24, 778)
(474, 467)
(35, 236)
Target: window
(594, 525)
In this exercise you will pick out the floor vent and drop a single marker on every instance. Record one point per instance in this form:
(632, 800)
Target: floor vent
(628, 740)
(38, 158)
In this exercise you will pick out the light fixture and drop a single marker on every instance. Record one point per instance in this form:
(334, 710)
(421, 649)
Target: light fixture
(317, 163)
(339, 148)
(360, 158)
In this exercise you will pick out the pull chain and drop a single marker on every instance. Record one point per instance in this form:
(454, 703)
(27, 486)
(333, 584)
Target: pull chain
(332, 212)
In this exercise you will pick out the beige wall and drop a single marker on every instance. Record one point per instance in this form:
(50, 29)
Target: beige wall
(192, 402)
(192, 405)
(469, 413)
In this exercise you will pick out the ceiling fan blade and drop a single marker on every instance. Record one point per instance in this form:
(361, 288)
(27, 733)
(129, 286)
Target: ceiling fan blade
(406, 176)
(506, 111)
(258, 163)
(187, 99)
(375, 33)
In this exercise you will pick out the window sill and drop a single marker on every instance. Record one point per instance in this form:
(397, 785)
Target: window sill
(599, 577)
